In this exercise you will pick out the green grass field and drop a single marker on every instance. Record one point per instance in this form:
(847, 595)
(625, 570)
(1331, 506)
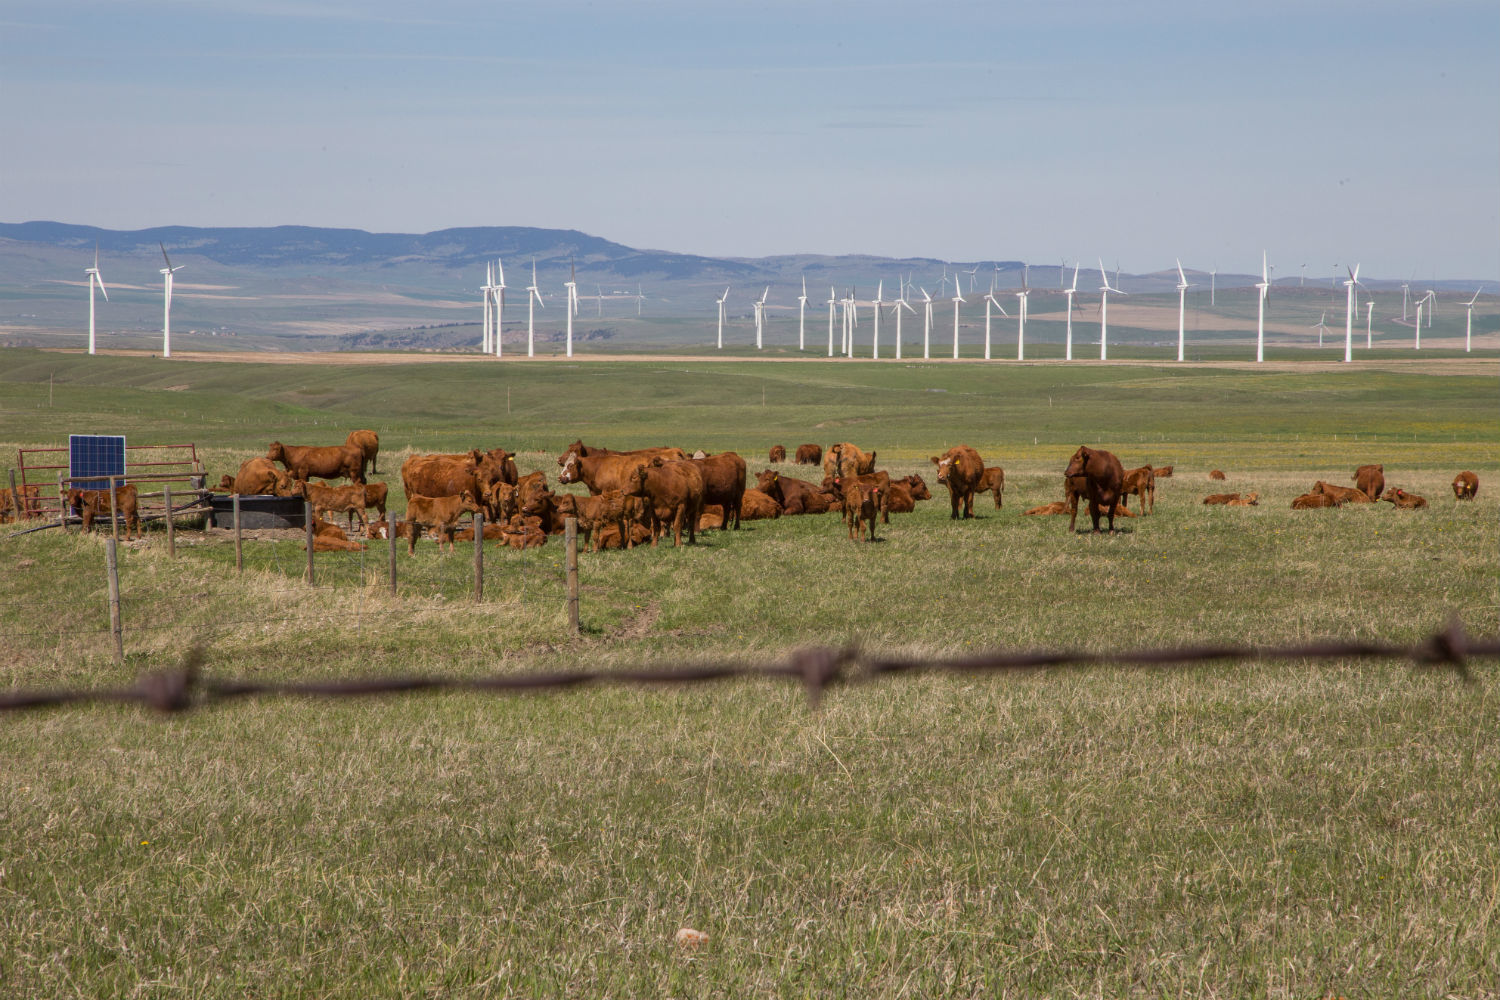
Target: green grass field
(1288, 829)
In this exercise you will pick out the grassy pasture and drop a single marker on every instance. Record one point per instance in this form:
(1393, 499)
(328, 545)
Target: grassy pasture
(1285, 829)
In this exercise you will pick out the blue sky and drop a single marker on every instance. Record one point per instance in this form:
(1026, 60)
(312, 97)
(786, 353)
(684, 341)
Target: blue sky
(1326, 133)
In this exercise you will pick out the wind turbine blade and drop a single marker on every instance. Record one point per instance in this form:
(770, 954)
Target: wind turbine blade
(100, 278)
(1180, 276)
(164, 253)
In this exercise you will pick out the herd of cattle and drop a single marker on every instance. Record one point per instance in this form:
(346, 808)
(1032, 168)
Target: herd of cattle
(635, 497)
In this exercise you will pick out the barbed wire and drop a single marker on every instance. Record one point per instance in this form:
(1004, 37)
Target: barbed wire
(184, 687)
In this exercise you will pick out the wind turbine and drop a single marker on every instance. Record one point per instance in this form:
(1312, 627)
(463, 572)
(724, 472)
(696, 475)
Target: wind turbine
(533, 299)
(1260, 330)
(901, 303)
(851, 322)
(1320, 326)
(640, 298)
(1104, 291)
(926, 325)
(485, 291)
(832, 302)
(1369, 311)
(1182, 287)
(166, 315)
(720, 302)
(1213, 284)
(499, 304)
(1021, 297)
(1431, 299)
(990, 300)
(1070, 292)
(971, 273)
(95, 278)
(802, 317)
(1468, 332)
(875, 337)
(958, 296)
(1405, 291)
(1349, 314)
(1417, 345)
(760, 318)
(572, 287)
(599, 300)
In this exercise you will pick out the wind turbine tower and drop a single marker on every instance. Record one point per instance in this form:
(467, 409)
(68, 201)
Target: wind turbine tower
(720, 301)
(926, 325)
(1021, 298)
(832, 302)
(484, 292)
(533, 299)
(1263, 285)
(1350, 285)
(95, 278)
(572, 286)
(901, 304)
(499, 305)
(1070, 292)
(760, 319)
(1182, 287)
(875, 337)
(1213, 284)
(1104, 291)
(166, 315)
(958, 297)
(801, 316)
(1468, 332)
(990, 300)
(1369, 311)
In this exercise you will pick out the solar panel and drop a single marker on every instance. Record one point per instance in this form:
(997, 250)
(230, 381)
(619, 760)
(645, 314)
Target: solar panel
(93, 458)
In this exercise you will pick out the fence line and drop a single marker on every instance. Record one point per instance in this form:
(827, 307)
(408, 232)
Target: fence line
(184, 688)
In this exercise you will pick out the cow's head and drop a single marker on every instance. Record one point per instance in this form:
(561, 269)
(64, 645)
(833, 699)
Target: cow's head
(635, 483)
(765, 481)
(569, 463)
(1079, 462)
(276, 452)
(919, 490)
(944, 466)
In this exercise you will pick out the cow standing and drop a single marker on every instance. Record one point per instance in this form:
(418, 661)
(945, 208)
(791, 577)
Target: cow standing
(1103, 479)
(960, 469)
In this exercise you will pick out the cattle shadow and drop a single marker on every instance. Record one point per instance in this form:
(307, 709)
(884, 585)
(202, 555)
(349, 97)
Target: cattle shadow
(1104, 531)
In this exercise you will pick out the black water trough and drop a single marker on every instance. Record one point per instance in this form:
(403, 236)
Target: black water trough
(261, 510)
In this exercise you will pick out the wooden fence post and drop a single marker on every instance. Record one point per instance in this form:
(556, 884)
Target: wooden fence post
(478, 522)
(570, 537)
(166, 492)
(390, 534)
(112, 570)
(15, 498)
(114, 514)
(62, 504)
(239, 550)
(307, 519)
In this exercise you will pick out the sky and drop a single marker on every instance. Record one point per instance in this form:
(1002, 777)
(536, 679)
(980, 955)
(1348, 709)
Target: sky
(1325, 133)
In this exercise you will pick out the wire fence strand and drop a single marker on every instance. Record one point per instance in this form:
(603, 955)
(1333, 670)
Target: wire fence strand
(183, 688)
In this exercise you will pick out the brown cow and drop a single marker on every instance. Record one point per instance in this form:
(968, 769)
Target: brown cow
(226, 485)
(1403, 500)
(778, 453)
(809, 454)
(1055, 507)
(339, 461)
(960, 469)
(1141, 482)
(381, 529)
(493, 532)
(368, 443)
(673, 492)
(501, 503)
(260, 477)
(1342, 494)
(1253, 500)
(862, 500)
(584, 451)
(449, 475)
(89, 504)
(838, 486)
(1103, 478)
(26, 503)
(337, 499)
(1370, 479)
(594, 513)
(609, 536)
(600, 472)
(723, 483)
(796, 496)
(1216, 474)
(844, 458)
(524, 533)
(757, 506)
(1312, 501)
(1165, 472)
(1465, 486)
(331, 538)
(1221, 499)
(902, 495)
(992, 480)
(440, 514)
